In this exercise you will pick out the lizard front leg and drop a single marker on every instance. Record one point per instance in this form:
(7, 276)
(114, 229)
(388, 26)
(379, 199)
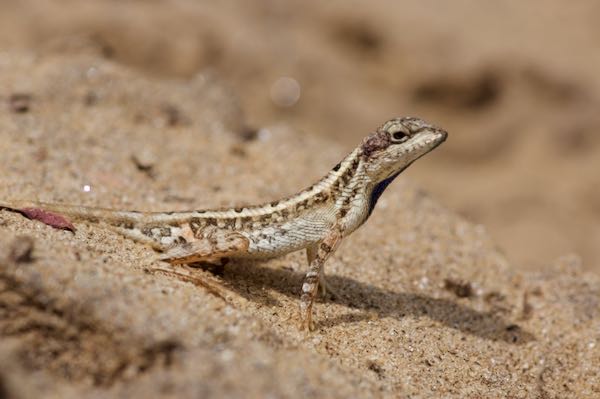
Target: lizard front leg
(310, 286)
(324, 287)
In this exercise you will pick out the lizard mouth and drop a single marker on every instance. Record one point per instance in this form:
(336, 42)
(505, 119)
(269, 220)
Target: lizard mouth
(420, 148)
(434, 139)
(443, 135)
(439, 138)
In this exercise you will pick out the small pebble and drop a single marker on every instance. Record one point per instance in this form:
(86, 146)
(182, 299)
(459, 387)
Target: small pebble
(19, 102)
(461, 289)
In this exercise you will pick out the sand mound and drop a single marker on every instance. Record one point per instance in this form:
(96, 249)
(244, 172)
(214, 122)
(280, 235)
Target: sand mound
(425, 304)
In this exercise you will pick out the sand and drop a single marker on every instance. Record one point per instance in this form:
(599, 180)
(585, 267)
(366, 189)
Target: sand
(515, 83)
(425, 305)
(476, 276)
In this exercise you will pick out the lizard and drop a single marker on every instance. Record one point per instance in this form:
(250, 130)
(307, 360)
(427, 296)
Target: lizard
(316, 219)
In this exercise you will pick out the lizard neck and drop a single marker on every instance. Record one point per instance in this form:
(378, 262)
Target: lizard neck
(358, 199)
(352, 201)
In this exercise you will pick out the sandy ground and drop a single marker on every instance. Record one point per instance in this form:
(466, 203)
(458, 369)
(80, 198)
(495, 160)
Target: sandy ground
(425, 305)
(516, 83)
(477, 275)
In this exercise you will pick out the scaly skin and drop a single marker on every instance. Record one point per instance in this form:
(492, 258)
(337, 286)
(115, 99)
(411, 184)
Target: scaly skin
(315, 219)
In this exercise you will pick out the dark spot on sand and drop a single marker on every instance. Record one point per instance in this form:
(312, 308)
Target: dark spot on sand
(248, 134)
(461, 289)
(472, 91)
(19, 102)
(21, 250)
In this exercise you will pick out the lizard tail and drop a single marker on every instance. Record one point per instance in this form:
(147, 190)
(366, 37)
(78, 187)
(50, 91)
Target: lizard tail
(76, 212)
(127, 223)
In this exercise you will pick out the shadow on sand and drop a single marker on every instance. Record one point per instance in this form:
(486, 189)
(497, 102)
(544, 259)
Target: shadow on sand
(248, 279)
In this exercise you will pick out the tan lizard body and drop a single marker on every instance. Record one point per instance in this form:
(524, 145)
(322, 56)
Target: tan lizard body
(315, 219)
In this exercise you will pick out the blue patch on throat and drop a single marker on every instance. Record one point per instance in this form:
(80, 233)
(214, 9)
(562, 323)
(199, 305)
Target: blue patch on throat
(378, 190)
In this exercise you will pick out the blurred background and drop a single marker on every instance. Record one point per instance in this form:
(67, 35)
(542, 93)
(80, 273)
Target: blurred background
(517, 85)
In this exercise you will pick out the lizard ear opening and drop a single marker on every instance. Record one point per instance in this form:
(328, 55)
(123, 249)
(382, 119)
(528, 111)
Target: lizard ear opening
(374, 142)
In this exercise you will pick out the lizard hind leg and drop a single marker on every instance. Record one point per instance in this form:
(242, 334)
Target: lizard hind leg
(214, 249)
(210, 249)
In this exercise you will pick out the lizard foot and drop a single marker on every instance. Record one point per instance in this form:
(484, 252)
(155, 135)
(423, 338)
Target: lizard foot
(306, 321)
(184, 274)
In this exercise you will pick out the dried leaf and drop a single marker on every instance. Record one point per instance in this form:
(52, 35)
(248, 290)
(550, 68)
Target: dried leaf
(50, 218)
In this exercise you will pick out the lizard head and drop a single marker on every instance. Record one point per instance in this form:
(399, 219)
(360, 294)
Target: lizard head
(396, 144)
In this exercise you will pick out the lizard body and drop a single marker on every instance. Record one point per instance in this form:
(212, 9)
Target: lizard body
(315, 219)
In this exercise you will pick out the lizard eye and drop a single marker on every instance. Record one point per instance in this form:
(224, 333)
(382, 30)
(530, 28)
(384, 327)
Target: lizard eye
(399, 136)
